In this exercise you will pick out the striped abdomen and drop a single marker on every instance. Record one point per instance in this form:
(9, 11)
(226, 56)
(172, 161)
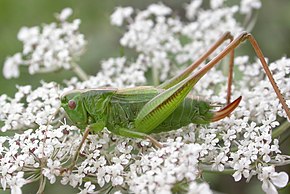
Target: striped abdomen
(189, 111)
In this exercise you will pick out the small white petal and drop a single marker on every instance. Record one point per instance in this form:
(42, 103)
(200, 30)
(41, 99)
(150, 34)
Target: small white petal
(16, 190)
(237, 176)
(65, 13)
(280, 180)
(269, 188)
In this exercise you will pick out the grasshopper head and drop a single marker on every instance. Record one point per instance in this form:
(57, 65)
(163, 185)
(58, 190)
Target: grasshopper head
(74, 107)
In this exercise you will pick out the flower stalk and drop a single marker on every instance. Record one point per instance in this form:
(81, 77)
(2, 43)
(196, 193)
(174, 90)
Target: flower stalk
(80, 72)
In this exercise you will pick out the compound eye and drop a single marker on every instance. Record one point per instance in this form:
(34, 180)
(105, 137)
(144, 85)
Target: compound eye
(72, 104)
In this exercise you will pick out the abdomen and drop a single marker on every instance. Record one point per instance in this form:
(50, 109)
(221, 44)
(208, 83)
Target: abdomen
(190, 111)
(123, 112)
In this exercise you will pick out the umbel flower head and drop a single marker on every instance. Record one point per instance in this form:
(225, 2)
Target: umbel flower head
(49, 48)
(45, 143)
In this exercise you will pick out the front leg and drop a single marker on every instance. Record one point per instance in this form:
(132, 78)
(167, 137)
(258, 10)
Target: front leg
(95, 127)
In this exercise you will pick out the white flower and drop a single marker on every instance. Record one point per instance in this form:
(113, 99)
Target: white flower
(72, 179)
(48, 48)
(120, 14)
(201, 188)
(89, 188)
(52, 170)
(16, 183)
(216, 3)
(65, 13)
(192, 8)
(159, 9)
(159, 171)
(164, 44)
(41, 104)
(219, 161)
(16, 190)
(271, 179)
(116, 72)
(248, 5)
(10, 68)
(30, 37)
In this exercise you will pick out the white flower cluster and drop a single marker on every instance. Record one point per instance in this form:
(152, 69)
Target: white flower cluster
(47, 48)
(102, 167)
(115, 72)
(29, 107)
(244, 143)
(38, 151)
(248, 5)
(167, 43)
(246, 137)
(160, 171)
(271, 179)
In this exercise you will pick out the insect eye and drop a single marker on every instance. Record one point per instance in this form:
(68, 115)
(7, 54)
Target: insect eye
(72, 104)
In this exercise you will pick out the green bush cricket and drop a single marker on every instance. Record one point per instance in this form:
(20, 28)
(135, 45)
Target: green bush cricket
(140, 111)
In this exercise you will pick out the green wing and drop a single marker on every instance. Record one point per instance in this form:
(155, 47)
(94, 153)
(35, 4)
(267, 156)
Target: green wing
(135, 94)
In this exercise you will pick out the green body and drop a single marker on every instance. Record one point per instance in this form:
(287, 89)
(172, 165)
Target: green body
(139, 111)
(123, 109)
(117, 109)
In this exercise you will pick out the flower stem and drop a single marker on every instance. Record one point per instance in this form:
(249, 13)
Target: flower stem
(41, 185)
(281, 129)
(208, 169)
(80, 72)
(155, 75)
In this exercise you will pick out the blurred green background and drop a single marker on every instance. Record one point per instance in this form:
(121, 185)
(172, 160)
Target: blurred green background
(272, 32)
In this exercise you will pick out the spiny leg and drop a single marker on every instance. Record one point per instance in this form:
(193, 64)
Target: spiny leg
(95, 128)
(268, 73)
(186, 72)
(160, 107)
(75, 157)
(236, 42)
(230, 76)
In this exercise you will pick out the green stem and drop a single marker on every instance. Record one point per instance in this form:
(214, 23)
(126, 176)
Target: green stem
(207, 169)
(250, 20)
(155, 75)
(41, 185)
(80, 72)
(281, 129)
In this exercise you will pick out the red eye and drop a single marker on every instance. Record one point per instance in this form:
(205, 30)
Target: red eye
(72, 104)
